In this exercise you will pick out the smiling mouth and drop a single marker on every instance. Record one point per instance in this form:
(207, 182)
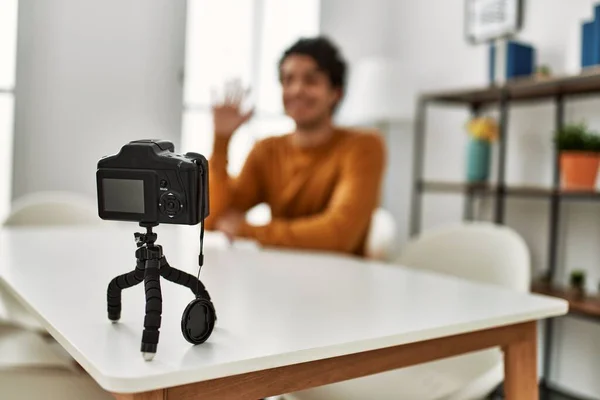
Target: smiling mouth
(298, 104)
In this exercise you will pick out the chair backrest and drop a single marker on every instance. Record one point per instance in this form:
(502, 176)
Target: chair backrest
(477, 251)
(52, 209)
(382, 236)
(259, 214)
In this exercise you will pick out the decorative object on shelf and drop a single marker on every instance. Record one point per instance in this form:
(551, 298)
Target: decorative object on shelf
(496, 22)
(482, 131)
(509, 60)
(590, 40)
(577, 283)
(543, 72)
(587, 45)
(487, 20)
(579, 157)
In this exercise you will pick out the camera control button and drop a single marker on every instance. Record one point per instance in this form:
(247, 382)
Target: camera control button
(163, 183)
(170, 204)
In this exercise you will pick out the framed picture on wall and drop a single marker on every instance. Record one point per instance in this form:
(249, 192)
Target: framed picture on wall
(486, 20)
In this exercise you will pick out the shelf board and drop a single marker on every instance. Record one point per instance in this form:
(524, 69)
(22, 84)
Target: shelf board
(588, 306)
(529, 88)
(487, 189)
(457, 187)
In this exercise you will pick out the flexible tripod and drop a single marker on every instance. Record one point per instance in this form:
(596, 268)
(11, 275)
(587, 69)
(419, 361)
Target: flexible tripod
(199, 316)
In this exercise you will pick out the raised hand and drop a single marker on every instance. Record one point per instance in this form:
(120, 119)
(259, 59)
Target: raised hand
(227, 112)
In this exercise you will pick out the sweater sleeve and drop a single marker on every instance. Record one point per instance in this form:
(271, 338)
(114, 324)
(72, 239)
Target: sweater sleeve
(233, 193)
(343, 224)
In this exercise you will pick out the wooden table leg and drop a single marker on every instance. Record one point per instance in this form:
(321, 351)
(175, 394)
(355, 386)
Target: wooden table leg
(154, 395)
(520, 367)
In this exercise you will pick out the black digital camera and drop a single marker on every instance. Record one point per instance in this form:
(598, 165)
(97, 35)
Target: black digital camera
(147, 182)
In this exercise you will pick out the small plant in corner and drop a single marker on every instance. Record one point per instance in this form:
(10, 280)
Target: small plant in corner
(577, 283)
(543, 71)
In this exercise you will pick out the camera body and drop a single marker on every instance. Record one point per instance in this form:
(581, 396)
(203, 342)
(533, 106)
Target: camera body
(147, 182)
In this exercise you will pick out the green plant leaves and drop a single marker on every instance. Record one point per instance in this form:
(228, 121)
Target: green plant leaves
(577, 137)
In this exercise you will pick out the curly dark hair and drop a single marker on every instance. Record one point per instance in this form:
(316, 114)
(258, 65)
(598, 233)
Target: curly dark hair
(325, 53)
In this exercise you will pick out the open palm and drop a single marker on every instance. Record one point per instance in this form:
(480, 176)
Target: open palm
(227, 113)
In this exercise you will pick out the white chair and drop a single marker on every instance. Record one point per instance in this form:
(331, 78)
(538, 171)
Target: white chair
(43, 209)
(259, 215)
(380, 240)
(53, 209)
(382, 236)
(50, 384)
(33, 366)
(478, 251)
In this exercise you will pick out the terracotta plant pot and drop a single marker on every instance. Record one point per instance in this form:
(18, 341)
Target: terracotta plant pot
(579, 170)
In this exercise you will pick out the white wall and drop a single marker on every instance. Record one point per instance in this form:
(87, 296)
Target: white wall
(91, 76)
(365, 29)
(8, 51)
(427, 35)
(361, 28)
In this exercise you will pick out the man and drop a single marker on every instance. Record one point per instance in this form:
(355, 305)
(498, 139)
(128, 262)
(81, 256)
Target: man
(321, 182)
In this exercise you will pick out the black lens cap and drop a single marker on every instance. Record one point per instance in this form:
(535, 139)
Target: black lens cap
(198, 321)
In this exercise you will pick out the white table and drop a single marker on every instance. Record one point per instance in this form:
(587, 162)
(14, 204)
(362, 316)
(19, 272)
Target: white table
(287, 320)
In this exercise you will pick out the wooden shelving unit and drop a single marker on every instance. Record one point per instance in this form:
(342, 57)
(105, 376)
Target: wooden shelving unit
(587, 306)
(557, 90)
(524, 89)
(510, 191)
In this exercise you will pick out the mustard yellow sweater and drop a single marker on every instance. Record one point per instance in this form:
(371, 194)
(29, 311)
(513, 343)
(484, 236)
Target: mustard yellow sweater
(321, 198)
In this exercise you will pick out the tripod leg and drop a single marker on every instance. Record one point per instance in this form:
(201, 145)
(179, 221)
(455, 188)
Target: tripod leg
(153, 309)
(182, 278)
(113, 293)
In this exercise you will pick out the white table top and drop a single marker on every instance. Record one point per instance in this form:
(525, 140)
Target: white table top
(275, 308)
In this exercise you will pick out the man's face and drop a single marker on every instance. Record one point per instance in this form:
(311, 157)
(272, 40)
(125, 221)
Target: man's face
(308, 97)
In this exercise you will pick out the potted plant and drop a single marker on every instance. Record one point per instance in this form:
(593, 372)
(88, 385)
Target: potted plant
(577, 283)
(579, 156)
(482, 132)
(543, 71)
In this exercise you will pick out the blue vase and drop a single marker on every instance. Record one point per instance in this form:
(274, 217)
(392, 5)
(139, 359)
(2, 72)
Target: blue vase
(479, 154)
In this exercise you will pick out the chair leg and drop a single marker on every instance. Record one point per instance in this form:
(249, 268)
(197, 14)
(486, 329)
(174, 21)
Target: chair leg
(497, 394)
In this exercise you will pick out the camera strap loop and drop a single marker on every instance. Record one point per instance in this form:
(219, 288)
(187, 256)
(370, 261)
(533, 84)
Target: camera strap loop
(201, 254)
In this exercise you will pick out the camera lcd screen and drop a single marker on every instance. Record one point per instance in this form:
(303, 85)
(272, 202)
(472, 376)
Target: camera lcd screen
(123, 195)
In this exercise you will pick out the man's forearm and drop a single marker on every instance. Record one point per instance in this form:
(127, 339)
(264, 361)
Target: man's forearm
(319, 232)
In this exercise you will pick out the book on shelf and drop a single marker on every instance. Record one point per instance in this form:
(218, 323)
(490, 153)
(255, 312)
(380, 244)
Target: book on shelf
(520, 60)
(587, 44)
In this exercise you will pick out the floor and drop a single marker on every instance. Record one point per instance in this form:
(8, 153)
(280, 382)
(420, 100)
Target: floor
(559, 396)
(549, 395)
